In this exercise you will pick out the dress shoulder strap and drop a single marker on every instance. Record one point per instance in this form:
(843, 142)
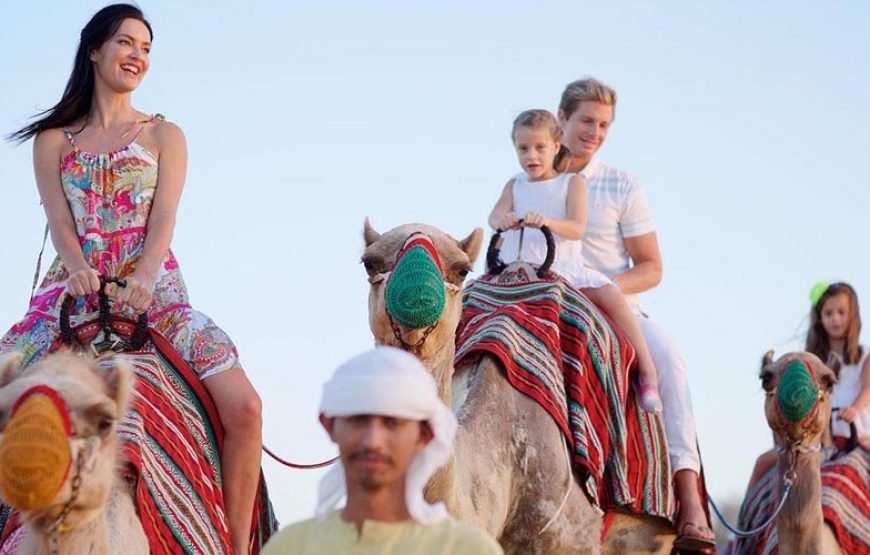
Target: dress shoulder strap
(143, 122)
(71, 138)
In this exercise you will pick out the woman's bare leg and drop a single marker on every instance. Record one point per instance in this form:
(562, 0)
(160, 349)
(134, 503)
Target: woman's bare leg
(240, 412)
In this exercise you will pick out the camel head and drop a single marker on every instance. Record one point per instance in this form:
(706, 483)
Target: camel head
(798, 403)
(57, 429)
(415, 273)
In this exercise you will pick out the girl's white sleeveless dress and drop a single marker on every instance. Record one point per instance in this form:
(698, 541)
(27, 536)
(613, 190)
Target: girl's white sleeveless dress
(548, 197)
(844, 393)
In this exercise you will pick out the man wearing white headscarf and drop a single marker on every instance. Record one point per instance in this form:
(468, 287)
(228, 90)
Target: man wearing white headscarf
(393, 432)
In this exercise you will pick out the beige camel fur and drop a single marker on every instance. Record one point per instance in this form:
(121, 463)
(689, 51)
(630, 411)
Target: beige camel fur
(102, 519)
(510, 473)
(800, 526)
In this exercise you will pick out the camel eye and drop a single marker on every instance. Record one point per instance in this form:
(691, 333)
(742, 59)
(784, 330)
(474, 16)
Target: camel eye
(372, 266)
(100, 418)
(105, 424)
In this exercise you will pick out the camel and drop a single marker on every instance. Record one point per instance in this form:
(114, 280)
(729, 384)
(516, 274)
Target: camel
(510, 473)
(93, 511)
(798, 410)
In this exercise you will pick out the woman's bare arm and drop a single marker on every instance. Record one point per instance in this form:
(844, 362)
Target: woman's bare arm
(161, 220)
(48, 149)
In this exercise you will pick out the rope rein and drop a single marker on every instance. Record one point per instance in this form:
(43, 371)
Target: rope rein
(762, 527)
(297, 465)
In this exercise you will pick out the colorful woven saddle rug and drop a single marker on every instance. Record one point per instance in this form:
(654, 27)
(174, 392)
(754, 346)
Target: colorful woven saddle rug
(560, 350)
(845, 506)
(171, 438)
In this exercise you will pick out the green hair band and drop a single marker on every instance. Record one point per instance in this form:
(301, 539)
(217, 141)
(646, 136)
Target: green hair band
(818, 291)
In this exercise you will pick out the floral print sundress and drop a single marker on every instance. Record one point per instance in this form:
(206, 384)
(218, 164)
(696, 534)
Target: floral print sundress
(110, 196)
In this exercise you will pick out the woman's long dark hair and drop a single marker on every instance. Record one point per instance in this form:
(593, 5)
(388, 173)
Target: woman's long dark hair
(79, 92)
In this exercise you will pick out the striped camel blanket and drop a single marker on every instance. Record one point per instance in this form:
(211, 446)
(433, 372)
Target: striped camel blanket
(171, 439)
(845, 506)
(562, 351)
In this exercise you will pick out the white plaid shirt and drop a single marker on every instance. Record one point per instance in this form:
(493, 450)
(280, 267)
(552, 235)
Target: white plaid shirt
(617, 208)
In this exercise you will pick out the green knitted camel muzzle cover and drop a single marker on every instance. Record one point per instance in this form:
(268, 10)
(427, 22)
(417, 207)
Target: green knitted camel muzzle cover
(415, 289)
(797, 393)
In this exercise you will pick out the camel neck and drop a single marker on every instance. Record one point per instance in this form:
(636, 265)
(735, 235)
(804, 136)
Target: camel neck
(799, 525)
(90, 535)
(477, 389)
(439, 361)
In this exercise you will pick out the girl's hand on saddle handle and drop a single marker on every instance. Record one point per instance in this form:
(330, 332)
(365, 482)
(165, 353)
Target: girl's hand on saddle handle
(508, 221)
(848, 414)
(83, 282)
(139, 292)
(534, 219)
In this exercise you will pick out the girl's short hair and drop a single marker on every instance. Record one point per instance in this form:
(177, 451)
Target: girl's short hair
(818, 342)
(544, 119)
(588, 89)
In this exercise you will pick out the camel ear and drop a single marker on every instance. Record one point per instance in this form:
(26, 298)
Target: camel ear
(369, 233)
(767, 358)
(834, 362)
(471, 244)
(120, 382)
(9, 368)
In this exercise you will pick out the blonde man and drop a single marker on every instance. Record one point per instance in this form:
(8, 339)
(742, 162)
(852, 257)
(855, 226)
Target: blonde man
(393, 432)
(621, 242)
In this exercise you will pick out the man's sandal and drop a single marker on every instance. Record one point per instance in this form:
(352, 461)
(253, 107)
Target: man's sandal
(694, 543)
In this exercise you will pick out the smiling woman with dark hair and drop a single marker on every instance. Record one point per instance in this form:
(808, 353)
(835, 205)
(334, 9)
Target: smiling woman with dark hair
(110, 178)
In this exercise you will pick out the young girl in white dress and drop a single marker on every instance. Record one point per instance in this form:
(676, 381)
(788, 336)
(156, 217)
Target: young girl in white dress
(542, 196)
(835, 327)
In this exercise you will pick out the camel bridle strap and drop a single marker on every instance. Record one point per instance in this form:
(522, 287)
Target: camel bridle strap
(397, 333)
(59, 525)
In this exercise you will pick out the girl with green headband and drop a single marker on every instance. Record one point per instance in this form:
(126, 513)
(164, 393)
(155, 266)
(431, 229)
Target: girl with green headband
(835, 327)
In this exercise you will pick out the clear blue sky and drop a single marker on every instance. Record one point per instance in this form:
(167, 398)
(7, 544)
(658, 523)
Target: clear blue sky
(747, 123)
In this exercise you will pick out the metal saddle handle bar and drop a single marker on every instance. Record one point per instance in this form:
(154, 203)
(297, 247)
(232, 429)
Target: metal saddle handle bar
(137, 340)
(495, 265)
